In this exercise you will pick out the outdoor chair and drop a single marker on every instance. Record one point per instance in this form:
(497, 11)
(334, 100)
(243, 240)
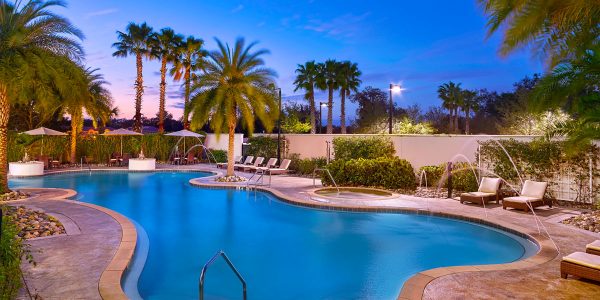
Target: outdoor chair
(582, 265)
(282, 169)
(489, 190)
(532, 196)
(257, 162)
(125, 159)
(55, 163)
(191, 158)
(247, 161)
(113, 159)
(236, 160)
(45, 160)
(270, 164)
(593, 247)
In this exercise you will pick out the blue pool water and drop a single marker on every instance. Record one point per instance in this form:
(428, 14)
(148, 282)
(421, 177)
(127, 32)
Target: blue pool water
(283, 251)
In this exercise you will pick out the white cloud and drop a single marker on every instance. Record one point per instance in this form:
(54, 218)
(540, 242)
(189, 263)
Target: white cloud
(237, 9)
(103, 12)
(344, 26)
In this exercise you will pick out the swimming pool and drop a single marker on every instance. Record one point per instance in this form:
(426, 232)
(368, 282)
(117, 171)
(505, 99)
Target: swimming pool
(283, 251)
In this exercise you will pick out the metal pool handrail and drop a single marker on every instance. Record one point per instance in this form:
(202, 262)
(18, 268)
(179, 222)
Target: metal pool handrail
(210, 262)
(330, 177)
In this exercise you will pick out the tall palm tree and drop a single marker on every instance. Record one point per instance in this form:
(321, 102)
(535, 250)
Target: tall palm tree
(189, 59)
(559, 29)
(451, 95)
(349, 81)
(36, 52)
(136, 40)
(235, 84)
(306, 79)
(328, 80)
(93, 99)
(165, 45)
(469, 104)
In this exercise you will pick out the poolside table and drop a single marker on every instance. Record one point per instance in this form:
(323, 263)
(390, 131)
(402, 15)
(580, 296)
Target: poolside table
(142, 164)
(32, 168)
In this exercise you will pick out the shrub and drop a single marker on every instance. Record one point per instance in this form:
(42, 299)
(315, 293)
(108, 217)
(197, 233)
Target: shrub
(219, 155)
(463, 178)
(433, 174)
(390, 173)
(363, 147)
(305, 166)
(11, 251)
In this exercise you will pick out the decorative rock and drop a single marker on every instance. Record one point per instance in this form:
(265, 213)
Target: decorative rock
(231, 179)
(588, 221)
(33, 223)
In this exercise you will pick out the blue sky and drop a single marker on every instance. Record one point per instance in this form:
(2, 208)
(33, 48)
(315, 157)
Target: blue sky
(420, 44)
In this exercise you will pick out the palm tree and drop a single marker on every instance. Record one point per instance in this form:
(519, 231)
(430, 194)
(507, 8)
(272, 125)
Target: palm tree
(451, 95)
(36, 52)
(189, 59)
(165, 45)
(558, 29)
(94, 99)
(235, 84)
(136, 40)
(328, 80)
(470, 103)
(306, 79)
(349, 81)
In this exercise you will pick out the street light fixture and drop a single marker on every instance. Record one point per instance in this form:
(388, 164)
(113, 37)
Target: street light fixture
(321, 105)
(394, 88)
(279, 129)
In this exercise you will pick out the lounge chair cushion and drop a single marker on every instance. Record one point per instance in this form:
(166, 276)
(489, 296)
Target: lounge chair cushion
(534, 189)
(478, 194)
(595, 245)
(489, 185)
(522, 199)
(584, 259)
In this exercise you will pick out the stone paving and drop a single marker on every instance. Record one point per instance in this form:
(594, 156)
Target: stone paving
(541, 281)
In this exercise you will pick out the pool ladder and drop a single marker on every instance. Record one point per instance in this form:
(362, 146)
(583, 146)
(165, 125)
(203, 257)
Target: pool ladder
(328, 173)
(220, 253)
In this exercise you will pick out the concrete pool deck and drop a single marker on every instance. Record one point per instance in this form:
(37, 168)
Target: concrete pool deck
(537, 278)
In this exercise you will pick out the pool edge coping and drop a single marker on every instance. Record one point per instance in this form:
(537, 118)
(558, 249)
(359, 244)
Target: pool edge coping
(109, 283)
(414, 287)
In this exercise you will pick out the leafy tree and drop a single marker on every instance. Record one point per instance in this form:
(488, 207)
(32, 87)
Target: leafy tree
(136, 41)
(165, 45)
(328, 79)
(189, 59)
(36, 52)
(295, 118)
(451, 95)
(557, 29)
(306, 79)
(348, 81)
(373, 109)
(235, 83)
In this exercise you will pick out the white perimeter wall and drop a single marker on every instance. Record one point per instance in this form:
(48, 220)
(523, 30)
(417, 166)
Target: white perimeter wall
(222, 142)
(419, 150)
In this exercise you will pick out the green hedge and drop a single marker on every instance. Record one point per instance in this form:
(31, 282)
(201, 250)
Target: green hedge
(463, 178)
(390, 173)
(220, 155)
(305, 166)
(11, 252)
(265, 146)
(363, 147)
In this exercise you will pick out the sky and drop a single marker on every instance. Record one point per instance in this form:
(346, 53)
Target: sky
(418, 44)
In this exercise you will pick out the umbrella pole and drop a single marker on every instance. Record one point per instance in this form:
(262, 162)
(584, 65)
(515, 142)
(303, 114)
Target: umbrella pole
(42, 149)
(121, 146)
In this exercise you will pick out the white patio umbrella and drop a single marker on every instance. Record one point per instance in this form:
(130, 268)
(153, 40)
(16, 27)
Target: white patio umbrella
(121, 132)
(43, 131)
(185, 133)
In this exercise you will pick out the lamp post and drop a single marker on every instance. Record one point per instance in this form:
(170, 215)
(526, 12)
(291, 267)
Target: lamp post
(393, 88)
(321, 105)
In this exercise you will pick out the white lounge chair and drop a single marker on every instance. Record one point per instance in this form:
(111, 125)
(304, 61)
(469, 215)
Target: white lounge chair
(259, 160)
(270, 164)
(489, 190)
(532, 195)
(247, 161)
(282, 169)
(582, 265)
(236, 160)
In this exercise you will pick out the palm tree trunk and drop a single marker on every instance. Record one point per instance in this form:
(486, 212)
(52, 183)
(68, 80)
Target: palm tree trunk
(467, 129)
(451, 121)
(330, 111)
(343, 111)
(313, 112)
(139, 91)
(456, 130)
(163, 90)
(4, 113)
(186, 98)
(74, 126)
(230, 158)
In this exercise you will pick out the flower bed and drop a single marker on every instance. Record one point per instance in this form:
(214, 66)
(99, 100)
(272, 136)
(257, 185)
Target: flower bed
(33, 223)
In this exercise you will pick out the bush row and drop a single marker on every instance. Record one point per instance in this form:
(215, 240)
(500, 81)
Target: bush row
(305, 166)
(463, 178)
(364, 147)
(390, 173)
